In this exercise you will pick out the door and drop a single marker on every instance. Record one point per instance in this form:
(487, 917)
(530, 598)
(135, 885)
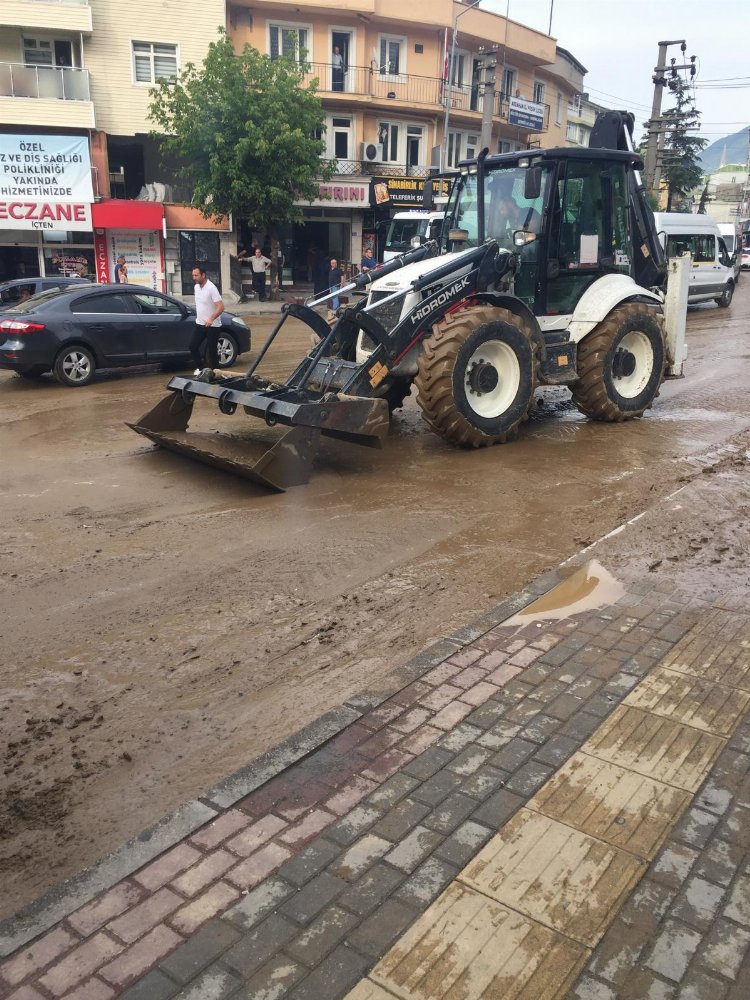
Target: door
(164, 327)
(106, 322)
(341, 51)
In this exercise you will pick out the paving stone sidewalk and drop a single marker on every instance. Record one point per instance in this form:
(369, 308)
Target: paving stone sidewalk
(301, 885)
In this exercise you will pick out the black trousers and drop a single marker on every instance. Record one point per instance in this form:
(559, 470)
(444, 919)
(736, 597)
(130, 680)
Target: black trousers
(205, 340)
(259, 285)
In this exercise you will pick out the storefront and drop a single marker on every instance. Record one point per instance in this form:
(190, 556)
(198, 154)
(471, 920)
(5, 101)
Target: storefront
(389, 195)
(46, 198)
(193, 239)
(135, 231)
(332, 228)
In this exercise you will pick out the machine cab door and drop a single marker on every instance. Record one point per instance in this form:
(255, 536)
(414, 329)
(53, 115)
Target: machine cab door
(590, 231)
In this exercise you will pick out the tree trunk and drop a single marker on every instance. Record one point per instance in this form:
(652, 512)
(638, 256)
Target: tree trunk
(276, 275)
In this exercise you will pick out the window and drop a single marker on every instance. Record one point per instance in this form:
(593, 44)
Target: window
(151, 304)
(392, 56)
(509, 82)
(705, 249)
(558, 108)
(571, 133)
(288, 40)
(456, 69)
(111, 303)
(37, 52)
(414, 135)
(454, 149)
(503, 146)
(340, 130)
(153, 61)
(388, 133)
(472, 146)
(538, 97)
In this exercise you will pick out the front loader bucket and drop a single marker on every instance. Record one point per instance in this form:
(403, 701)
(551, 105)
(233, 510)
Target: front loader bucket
(276, 462)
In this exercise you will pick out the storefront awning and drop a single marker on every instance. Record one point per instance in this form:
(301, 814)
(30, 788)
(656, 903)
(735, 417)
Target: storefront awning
(114, 213)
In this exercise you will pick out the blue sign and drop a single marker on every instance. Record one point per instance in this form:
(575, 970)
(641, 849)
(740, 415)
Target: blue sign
(526, 114)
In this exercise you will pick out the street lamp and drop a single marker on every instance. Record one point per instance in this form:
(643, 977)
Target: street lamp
(444, 147)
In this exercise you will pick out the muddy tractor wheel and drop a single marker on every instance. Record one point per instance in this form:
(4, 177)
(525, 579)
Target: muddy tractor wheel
(621, 364)
(476, 376)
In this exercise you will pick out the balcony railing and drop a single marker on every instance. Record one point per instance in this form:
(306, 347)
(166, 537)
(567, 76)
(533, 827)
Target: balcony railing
(370, 81)
(364, 168)
(45, 82)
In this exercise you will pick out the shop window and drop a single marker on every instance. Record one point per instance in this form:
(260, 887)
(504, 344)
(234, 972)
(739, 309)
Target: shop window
(288, 40)
(392, 55)
(199, 248)
(153, 61)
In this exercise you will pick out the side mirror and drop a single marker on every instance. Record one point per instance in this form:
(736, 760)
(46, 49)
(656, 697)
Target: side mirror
(521, 238)
(428, 195)
(532, 183)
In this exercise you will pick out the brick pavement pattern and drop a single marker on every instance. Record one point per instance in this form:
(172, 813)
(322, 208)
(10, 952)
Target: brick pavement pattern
(299, 889)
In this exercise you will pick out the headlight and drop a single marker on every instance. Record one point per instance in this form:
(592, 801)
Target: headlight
(238, 321)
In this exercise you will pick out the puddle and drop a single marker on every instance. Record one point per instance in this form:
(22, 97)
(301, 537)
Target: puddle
(590, 587)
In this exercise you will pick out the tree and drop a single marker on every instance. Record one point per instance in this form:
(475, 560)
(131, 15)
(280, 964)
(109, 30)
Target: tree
(245, 129)
(680, 169)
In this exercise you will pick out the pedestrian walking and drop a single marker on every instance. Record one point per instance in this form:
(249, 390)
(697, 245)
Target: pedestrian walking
(260, 265)
(334, 282)
(208, 307)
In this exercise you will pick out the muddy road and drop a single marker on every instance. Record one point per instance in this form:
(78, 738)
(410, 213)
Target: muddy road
(165, 623)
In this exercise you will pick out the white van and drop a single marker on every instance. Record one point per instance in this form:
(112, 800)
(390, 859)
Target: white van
(730, 233)
(407, 230)
(712, 274)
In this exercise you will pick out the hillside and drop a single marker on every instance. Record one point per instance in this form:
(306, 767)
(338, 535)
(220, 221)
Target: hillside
(736, 151)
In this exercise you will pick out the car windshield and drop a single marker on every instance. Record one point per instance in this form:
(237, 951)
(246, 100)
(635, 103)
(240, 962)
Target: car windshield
(403, 231)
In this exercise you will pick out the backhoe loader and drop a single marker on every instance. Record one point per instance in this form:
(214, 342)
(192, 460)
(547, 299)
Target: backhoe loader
(548, 271)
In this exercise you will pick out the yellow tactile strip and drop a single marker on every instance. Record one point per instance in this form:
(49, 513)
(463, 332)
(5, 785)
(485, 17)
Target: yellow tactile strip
(523, 917)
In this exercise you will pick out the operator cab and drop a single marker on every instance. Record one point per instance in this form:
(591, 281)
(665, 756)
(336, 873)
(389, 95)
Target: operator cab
(566, 214)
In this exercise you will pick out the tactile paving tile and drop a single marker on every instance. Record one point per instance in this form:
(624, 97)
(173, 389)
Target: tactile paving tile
(721, 653)
(656, 747)
(561, 877)
(621, 807)
(714, 708)
(468, 946)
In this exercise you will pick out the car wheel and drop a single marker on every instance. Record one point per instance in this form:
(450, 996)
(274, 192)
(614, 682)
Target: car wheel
(725, 299)
(226, 349)
(75, 366)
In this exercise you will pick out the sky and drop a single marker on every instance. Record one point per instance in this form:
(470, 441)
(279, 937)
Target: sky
(618, 42)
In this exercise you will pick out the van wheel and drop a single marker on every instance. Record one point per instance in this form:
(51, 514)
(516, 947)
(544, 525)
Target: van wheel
(725, 299)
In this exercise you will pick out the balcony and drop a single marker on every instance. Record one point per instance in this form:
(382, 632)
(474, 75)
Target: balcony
(50, 15)
(45, 95)
(366, 84)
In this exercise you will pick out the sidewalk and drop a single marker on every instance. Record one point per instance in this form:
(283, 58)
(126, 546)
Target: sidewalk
(553, 801)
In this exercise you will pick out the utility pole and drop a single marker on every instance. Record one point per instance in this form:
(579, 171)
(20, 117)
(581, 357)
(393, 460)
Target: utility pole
(653, 162)
(489, 64)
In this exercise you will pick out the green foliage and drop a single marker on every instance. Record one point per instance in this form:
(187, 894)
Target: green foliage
(244, 128)
(681, 168)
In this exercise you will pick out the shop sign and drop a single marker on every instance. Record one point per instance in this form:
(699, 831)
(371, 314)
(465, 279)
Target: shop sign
(526, 114)
(45, 182)
(404, 192)
(344, 195)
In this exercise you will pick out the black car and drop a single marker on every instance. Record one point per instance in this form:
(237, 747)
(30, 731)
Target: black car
(74, 330)
(20, 289)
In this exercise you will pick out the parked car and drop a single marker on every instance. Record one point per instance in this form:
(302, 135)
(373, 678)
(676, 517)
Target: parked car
(20, 289)
(77, 329)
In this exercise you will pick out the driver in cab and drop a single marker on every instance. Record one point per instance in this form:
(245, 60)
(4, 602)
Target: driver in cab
(507, 216)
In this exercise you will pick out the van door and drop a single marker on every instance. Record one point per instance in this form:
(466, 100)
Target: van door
(708, 272)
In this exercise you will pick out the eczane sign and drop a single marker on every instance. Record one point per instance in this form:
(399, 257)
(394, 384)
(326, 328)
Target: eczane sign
(45, 182)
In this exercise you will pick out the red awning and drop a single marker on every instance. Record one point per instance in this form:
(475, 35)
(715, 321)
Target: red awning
(113, 213)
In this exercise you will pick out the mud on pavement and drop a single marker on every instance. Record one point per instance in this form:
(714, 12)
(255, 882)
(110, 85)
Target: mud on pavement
(165, 624)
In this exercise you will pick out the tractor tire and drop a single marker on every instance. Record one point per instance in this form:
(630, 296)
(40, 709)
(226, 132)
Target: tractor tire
(476, 376)
(621, 364)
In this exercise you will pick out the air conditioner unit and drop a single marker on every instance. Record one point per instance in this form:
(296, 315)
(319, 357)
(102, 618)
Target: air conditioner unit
(373, 152)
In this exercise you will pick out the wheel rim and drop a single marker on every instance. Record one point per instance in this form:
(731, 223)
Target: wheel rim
(76, 366)
(632, 364)
(224, 350)
(492, 379)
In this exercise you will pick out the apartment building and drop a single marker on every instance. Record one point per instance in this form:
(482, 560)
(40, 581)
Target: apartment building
(405, 90)
(74, 131)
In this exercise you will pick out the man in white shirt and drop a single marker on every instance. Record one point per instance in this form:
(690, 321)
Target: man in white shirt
(208, 308)
(259, 265)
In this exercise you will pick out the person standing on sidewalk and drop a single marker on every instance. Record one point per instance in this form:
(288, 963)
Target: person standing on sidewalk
(259, 265)
(208, 307)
